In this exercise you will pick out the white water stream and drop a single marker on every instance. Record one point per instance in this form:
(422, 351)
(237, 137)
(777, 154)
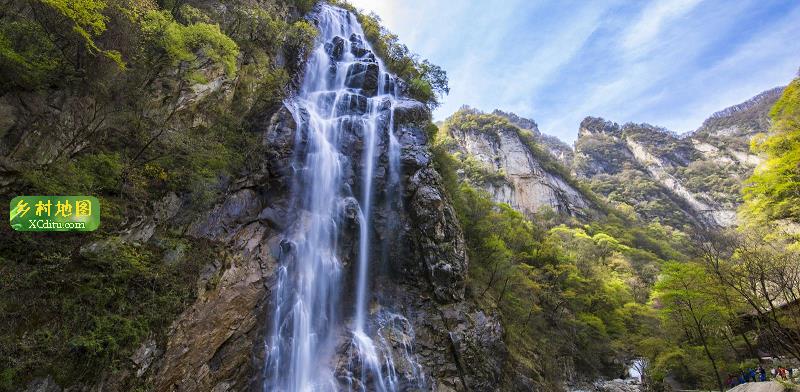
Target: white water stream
(345, 90)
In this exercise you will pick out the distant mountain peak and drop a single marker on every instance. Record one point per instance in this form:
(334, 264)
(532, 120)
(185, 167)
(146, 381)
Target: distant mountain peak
(680, 179)
(744, 119)
(597, 125)
(522, 122)
(769, 95)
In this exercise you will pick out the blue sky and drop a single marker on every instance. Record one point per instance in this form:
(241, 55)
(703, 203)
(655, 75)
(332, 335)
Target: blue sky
(670, 63)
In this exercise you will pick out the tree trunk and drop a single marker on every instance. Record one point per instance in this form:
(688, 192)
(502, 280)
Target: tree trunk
(503, 291)
(491, 280)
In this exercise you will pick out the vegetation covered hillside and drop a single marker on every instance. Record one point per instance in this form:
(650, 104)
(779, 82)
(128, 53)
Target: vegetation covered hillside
(151, 107)
(573, 294)
(685, 181)
(157, 108)
(678, 296)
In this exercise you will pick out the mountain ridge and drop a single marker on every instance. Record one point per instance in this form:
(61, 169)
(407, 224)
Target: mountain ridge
(685, 180)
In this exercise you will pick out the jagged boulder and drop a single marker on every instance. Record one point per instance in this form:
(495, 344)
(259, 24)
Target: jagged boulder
(335, 48)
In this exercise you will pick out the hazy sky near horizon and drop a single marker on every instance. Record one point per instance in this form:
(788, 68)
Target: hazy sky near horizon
(670, 63)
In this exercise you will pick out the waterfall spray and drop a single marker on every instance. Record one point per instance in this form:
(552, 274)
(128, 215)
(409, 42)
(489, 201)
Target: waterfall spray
(345, 90)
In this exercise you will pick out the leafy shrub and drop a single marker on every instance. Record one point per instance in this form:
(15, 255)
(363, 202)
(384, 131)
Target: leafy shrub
(772, 191)
(184, 42)
(88, 22)
(426, 80)
(88, 175)
(27, 56)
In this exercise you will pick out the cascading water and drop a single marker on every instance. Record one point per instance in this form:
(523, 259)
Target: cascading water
(345, 92)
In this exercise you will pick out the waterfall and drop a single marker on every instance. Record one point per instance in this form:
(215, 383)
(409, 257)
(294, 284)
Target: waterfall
(345, 92)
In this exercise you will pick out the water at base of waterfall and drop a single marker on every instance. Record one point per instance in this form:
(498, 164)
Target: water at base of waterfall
(345, 91)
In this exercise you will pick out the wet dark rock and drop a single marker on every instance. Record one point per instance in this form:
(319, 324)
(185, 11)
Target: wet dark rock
(351, 138)
(351, 104)
(349, 211)
(279, 139)
(326, 100)
(337, 48)
(357, 47)
(363, 76)
(369, 57)
(384, 105)
(414, 158)
(370, 87)
(477, 343)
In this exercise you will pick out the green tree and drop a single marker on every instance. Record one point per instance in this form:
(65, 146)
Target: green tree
(88, 22)
(773, 191)
(682, 291)
(189, 43)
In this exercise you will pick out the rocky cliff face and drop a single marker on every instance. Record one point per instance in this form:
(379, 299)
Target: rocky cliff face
(681, 180)
(684, 181)
(559, 150)
(218, 343)
(431, 331)
(511, 166)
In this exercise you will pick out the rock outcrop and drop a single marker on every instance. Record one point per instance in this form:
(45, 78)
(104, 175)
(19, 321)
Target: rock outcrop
(682, 180)
(559, 150)
(514, 172)
(217, 343)
(685, 181)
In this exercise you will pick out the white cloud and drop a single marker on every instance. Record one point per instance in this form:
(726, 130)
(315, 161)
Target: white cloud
(652, 20)
(670, 63)
(548, 57)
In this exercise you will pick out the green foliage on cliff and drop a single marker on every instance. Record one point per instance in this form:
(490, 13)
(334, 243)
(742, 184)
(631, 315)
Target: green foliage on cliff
(651, 200)
(733, 127)
(568, 295)
(480, 172)
(73, 307)
(177, 121)
(88, 22)
(427, 82)
(616, 288)
(772, 192)
(187, 43)
(67, 37)
(718, 180)
(25, 52)
(467, 119)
